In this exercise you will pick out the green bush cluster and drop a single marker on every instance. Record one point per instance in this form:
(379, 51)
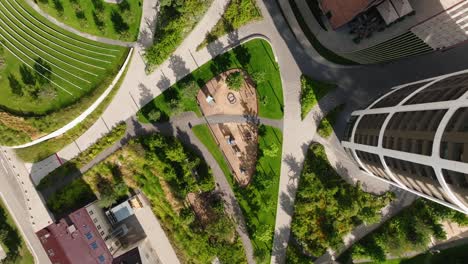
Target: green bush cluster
(311, 92)
(411, 230)
(325, 127)
(327, 208)
(156, 159)
(235, 81)
(175, 21)
(237, 14)
(72, 166)
(71, 197)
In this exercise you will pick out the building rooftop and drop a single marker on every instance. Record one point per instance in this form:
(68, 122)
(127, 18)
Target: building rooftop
(340, 12)
(74, 239)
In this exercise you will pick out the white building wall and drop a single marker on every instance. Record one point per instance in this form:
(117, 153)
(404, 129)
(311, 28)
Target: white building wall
(434, 160)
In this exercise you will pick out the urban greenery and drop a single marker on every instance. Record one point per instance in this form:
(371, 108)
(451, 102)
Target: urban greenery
(43, 150)
(167, 172)
(96, 17)
(74, 165)
(71, 197)
(176, 19)
(254, 57)
(319, 47)
(327, 208)
(258, 200)
(457, 254)
(235, 81)
(311, 93)
(48, 75)
(411, 230)
(237, 14)
(325, 127)
(11, 240)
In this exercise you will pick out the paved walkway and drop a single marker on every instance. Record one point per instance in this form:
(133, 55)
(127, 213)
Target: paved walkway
(155, 235)
(357, 84)
(24, 208)
(77, 32)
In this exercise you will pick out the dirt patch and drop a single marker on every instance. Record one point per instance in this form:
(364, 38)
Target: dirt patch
(201, 209)
(19, 124)
(216, 98)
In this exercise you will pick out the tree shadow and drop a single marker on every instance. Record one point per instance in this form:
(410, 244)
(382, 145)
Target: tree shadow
(43, 69)
(280, 244)
(118, 22)
(177, 65)
(145, 94)
(163, 83)
(295, 168)
(15, 85)
(27, 75)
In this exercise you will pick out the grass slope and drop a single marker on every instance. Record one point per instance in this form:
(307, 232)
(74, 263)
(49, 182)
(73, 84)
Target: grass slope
(43, 150)
(49, 76)
(259, 199)
(253, 56)
(115, 21)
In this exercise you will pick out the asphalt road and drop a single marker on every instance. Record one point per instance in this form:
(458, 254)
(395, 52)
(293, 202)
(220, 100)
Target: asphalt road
(12, 196)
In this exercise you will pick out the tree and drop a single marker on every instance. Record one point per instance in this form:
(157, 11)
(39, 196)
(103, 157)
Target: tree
(259, 77)
(235, 81)
(154, 115)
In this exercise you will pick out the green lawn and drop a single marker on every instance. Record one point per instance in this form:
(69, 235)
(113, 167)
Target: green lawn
(259, 199)
(13, 244)
(47, 69)
(319, 47)
(325, 127)
(311, 93)
(43, 150)
(115, 21)
(237, 14)
(254, 56)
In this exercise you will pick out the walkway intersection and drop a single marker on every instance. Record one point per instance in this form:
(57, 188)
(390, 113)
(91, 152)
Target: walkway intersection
(356, 85)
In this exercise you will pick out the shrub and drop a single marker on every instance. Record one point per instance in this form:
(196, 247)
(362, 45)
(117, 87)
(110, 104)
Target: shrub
(327, 207)
(311, 92)
(235, 81)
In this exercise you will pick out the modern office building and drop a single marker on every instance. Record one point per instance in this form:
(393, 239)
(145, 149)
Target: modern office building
(416, 137)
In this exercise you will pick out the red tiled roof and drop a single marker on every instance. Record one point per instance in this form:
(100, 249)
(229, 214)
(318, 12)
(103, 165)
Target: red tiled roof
(67, 247)
(343, 11)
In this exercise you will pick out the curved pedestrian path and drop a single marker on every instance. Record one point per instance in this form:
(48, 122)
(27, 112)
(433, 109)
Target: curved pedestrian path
(77, 32)
(356, 84)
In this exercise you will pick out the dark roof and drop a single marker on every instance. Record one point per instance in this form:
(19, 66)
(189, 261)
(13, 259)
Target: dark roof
(74, 240)
(131, 257)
